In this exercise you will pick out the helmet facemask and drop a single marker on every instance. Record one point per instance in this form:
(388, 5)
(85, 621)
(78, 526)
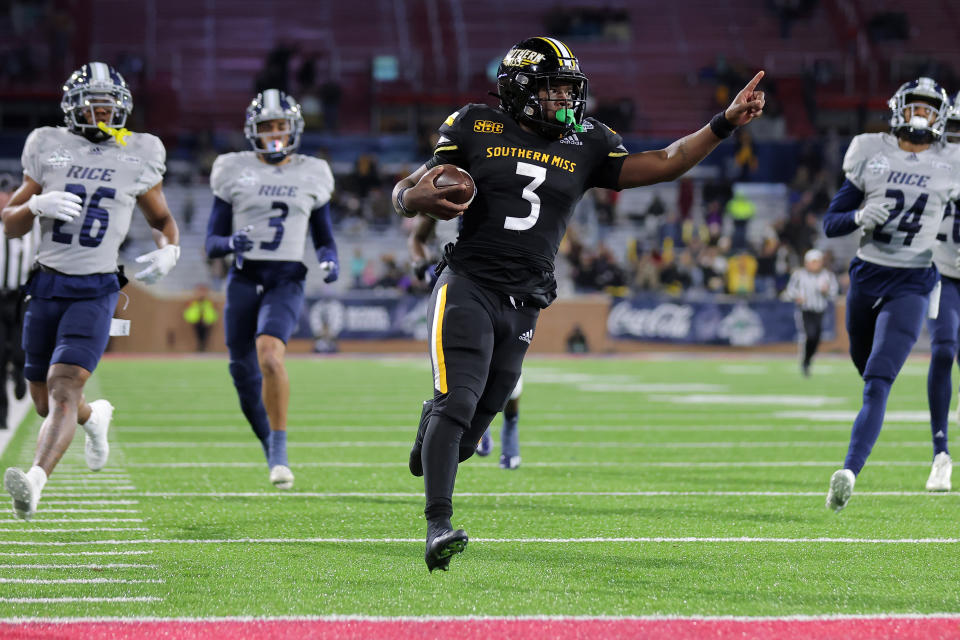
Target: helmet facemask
(919, 112)
(268, 142)
(80, 103)
(951, 130)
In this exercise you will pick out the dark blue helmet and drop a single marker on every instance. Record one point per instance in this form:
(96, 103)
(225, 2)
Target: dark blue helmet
(95, 85)
(537, 64)
(922, 92)
(273, 104)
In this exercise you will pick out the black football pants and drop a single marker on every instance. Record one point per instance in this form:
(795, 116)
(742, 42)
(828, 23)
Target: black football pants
(478, 338)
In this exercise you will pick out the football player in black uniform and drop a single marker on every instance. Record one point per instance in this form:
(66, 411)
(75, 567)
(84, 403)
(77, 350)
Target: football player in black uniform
(531, 159)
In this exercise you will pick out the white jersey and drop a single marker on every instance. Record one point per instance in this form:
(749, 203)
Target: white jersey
(946, 252)
(108, 178)
(275, 201)
(916, 187)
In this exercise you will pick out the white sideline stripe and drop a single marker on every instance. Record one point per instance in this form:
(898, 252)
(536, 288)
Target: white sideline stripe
(749, 399)
(82, 491)
(18, 554)
(79, 581)
(112, 565)
(552, 428)
(922, 416)
(88, 481)
(81, 530)
(43, 520)
(652, 539)
(81, 599)
(45, 510)
(589, 444)
(491, 465)
(500, 494)
(73, 502)
(363, 618)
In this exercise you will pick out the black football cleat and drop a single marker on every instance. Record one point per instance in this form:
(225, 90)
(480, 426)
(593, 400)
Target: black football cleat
(442, 544)
(415, 464)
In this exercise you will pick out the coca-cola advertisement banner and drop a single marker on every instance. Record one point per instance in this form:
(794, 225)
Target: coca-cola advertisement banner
(721, 320)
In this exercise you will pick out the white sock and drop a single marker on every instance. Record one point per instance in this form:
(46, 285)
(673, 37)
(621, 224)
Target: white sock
(90, 423)
(38, 476)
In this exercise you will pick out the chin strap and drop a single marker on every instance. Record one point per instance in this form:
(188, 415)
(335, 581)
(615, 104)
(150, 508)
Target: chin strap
(118, 134)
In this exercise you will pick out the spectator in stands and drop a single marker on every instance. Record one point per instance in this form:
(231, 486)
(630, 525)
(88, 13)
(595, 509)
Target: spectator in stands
(766, 282)
(713, 266)
(745, 161)
(358, 264)
(741, 210)
(741, 274)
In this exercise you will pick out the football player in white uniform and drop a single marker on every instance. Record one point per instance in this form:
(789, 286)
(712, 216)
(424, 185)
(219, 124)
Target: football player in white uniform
(897, 186)
(82, 182)
(944, 329)
(266, 202)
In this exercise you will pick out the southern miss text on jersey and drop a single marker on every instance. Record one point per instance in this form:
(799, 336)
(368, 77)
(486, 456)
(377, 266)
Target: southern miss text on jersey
(108, 178)
(916, 187)
(527, 187)
(274, 200)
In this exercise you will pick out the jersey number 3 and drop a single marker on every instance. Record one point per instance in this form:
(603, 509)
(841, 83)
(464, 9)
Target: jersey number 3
(539, 174)
(95, 213)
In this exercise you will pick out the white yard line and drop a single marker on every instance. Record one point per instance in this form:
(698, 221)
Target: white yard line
(80, 599)
(593, 444)
(112, 565)
(71, 554)
(80, 530)
(493, 464)
(513, 494)
(42, 520)
(79, 581)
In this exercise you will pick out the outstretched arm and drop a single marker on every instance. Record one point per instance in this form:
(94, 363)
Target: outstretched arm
(663, 165)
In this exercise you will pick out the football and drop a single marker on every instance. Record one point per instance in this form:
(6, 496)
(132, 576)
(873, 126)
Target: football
(453, 175)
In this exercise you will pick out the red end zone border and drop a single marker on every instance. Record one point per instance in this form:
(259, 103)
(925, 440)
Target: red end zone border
(905, 627)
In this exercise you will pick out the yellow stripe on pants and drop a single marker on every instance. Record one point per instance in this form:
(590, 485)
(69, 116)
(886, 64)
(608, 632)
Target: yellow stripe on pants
(436, 343)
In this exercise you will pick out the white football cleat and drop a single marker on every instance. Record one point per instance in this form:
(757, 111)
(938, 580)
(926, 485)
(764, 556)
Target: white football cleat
(24, 492)
(281, 477)
(841, 488)
(939, 479)
(96, 447)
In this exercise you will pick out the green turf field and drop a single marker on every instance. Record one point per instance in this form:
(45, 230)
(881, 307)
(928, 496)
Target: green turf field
(662, 486)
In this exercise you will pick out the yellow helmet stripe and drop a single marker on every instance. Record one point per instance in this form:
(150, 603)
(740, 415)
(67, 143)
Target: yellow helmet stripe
(563, 51)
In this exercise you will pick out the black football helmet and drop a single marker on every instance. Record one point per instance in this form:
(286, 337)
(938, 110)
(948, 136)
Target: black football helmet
(537, 64)
(94, 85)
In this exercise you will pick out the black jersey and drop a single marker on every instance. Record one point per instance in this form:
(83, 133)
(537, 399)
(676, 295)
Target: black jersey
(527, 187)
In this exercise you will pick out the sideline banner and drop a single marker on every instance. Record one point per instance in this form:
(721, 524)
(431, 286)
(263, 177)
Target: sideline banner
(708, 321)
(364, 316)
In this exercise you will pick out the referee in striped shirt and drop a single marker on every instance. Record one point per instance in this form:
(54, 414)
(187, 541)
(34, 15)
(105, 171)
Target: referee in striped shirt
(811, 288)
(16, 260)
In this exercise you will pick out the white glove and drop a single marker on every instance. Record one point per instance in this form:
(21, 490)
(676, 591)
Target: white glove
(161, 262)
(872, 215)
(58, 205)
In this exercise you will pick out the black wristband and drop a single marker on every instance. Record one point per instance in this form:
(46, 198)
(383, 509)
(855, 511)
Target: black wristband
(721, 127)
(403, 209)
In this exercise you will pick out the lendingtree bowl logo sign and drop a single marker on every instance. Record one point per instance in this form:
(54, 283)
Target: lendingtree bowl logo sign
(741, 327)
